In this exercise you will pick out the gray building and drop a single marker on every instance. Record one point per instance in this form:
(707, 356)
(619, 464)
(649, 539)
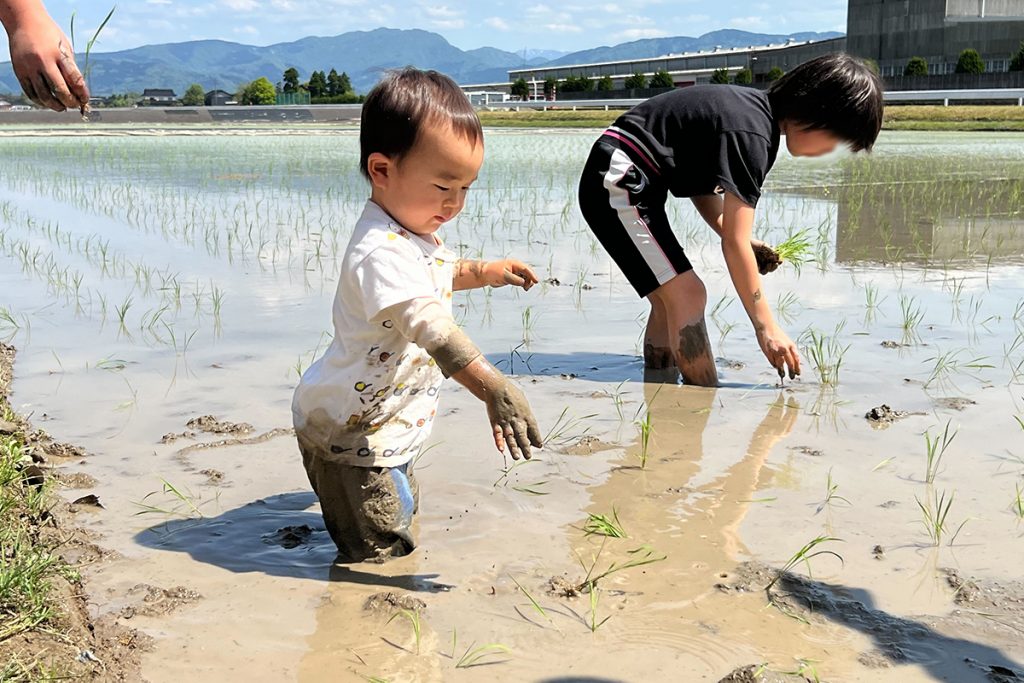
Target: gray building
(892, 31)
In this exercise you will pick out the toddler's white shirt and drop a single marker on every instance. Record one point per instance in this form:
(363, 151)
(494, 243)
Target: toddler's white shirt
(370, 400)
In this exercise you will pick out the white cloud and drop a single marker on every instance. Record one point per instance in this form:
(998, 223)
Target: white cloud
(638, 33)
(497, 23)
(562, 28)
(441, 12)
(241, 5)
(747, 22)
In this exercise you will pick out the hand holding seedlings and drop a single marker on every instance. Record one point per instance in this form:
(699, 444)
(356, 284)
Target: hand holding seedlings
(43, 57)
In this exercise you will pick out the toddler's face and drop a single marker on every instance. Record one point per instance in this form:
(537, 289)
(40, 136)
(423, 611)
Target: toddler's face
(427, 187)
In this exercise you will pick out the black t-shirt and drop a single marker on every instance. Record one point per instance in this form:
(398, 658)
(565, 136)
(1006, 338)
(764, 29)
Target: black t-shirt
(708, 139)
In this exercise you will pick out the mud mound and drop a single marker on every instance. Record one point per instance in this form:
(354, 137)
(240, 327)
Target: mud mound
(390, 601)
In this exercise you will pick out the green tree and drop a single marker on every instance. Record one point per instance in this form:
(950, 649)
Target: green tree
(873, 65)
(577, 84)
(636, 81)
(521, 89)
(970, 63)
(1017, 63)
(720, 76)
(332, 83)
(195, 96)
(774, 74)
(916, 66)
(344, 83)
(605, 84)
(317, 84)
(291, 79)
(662, 79)
(550, 87)
(260, 91)
(743, 77)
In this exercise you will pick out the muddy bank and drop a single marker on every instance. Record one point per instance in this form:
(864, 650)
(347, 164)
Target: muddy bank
(48, 629)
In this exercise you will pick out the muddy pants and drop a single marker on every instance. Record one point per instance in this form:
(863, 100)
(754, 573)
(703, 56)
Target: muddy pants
(368, 510)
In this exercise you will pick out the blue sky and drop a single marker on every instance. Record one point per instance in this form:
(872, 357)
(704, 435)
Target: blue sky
(506, 24)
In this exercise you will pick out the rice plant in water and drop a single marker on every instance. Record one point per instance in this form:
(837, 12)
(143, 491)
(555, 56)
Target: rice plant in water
(935, 450)
(935, 516)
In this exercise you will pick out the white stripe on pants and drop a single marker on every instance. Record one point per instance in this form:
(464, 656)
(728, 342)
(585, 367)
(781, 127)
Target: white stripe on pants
(639, 232)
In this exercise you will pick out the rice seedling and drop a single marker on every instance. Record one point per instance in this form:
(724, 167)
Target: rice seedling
(476, 655)
(533, 602)
(831, 495)
(181, 504)
(646, 428)
(946, 365)
(912, 317)
(603, 525)
(639, 557)
(529, 320)
(413, 617)
(593, 623)
(804, 556)
(935, 517)
(826, 354)
(786, 306)
(86, 67)
(935, 450)
(796, 248)
(567, 428)
(1018, 502)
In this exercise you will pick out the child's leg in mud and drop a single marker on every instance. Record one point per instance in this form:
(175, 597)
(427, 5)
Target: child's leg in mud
(657, 346)
(683, 300)
(368, 511)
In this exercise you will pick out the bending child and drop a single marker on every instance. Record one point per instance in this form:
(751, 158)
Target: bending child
(715, 144)
(363, 411)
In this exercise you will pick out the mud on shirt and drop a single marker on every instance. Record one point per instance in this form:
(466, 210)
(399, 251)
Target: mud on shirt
(707, 138)
(370, 400)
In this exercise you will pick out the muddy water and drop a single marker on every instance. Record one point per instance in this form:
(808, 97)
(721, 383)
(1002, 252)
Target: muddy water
(225, 252)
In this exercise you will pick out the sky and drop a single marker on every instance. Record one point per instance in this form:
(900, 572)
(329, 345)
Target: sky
(467, 24)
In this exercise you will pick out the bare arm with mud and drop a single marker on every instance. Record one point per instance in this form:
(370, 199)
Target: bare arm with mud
(711, 208)
(426, 323)
(737, 225)
(475, 274)
(42, 56)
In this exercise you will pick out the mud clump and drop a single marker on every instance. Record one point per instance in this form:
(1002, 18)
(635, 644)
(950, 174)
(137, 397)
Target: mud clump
(955, 403)
(211, 425)
(884, 415)
(758, 673)
(390, 601)
(561, 587)
(588, 445)
(213, 477)
(75, 480)
(151, 601)
(290, 537)
(768, 260)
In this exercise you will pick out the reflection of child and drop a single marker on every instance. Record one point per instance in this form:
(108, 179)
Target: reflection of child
(715, 144)
(42, 56)
(363, 410)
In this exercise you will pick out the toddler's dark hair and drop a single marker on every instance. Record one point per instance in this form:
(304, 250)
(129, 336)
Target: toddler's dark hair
(835, 92)
(402, 103)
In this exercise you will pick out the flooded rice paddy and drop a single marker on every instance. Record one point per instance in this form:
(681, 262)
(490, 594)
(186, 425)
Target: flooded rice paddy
(150, 280)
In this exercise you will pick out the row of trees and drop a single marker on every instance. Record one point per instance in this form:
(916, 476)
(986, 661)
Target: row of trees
(969, 62)
(637, 81)
(320, 84)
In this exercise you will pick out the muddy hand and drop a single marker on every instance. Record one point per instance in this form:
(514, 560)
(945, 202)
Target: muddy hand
(780, 351)
(44, 63)
(513, 422)
(516, 273)
(768, 260)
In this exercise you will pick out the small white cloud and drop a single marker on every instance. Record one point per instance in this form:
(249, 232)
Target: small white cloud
(246, 30)
(638, 33)
(747, 22)
(448, 23)
(497, 23)
(562, 28)
(441, 12)
(241, 5)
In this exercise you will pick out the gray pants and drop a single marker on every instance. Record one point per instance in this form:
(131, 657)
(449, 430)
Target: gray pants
(368, 510)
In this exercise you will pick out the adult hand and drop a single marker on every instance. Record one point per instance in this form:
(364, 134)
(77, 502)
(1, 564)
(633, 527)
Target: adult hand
(509, 272)
(512, 421)
(780, 350)
(44, 63)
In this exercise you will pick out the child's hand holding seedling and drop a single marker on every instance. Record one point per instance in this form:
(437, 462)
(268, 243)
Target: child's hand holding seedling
(473, 274)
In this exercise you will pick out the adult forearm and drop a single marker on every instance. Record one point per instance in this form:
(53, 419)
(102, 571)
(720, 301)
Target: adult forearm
(14, 12)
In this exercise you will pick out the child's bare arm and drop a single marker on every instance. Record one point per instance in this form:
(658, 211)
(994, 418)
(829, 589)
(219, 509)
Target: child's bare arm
(737, 225)
(426, 323)
(42, 56)
(711, 207)
(475, 274)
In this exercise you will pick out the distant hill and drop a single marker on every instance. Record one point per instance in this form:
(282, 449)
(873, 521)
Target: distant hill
(363, 54)
(656, 47)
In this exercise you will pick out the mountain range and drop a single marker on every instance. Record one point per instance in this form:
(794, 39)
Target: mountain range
(362, 54)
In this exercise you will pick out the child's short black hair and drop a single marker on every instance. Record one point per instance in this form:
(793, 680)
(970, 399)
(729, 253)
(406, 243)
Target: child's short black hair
(835, 92)
(402, 103)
